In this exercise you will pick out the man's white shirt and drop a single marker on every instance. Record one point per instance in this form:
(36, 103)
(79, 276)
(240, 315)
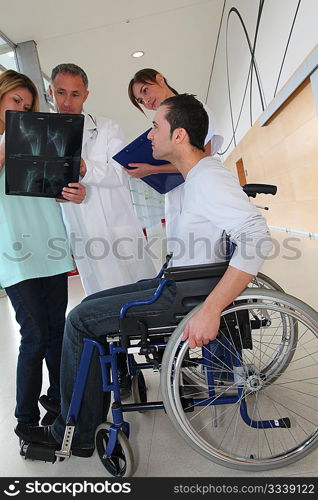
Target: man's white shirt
(214, 204)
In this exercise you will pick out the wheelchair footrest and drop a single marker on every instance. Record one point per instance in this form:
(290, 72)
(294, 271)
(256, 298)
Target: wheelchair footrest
(35, 451)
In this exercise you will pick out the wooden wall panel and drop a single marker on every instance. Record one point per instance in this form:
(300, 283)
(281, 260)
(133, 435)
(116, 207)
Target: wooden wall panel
(285, 153)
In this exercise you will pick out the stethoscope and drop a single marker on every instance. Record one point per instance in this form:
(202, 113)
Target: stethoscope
(94, 131)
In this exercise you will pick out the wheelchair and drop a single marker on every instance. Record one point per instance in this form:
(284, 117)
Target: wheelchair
(248, 400)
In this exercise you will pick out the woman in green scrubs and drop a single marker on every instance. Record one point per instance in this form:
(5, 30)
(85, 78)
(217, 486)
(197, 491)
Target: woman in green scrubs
(34, 261)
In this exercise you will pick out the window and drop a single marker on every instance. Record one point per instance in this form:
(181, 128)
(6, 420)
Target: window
(46, 81)
(7, 55)
(148, 204)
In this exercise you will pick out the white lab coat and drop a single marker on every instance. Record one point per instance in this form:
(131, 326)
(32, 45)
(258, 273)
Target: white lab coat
(106, 237)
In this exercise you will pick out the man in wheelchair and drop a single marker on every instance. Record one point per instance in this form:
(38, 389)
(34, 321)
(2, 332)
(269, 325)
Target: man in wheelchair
(214, 204)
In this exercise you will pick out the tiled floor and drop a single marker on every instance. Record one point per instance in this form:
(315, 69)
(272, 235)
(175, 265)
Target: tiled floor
(158, 449)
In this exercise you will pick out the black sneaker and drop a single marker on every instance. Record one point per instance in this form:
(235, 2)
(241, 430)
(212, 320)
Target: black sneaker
(48, 419)
(25, 425)
(53, 408)
(52, 405)
(43, 437)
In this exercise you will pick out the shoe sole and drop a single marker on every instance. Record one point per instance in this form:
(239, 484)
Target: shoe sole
(82, 452)
(48, 419)
(77, 452)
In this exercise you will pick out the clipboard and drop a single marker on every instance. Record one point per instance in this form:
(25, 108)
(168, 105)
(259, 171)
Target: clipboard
(43, 152)
(140, 151)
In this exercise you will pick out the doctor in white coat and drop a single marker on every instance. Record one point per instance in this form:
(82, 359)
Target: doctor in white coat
(106, 237)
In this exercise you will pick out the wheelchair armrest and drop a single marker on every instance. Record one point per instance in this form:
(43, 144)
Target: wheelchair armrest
(253, 189)
(182, 273)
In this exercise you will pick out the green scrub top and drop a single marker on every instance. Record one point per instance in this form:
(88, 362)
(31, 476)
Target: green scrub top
(33, 241)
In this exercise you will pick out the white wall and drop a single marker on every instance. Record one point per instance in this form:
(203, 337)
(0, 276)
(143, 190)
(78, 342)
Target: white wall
(274, 29)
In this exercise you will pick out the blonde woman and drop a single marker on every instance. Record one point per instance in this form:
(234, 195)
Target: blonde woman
(34, 261)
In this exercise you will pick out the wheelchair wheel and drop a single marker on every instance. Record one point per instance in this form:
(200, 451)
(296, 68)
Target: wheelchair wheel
(139, 389)
(263, 281)
(287, 342)
(280, 399)
(121, 463)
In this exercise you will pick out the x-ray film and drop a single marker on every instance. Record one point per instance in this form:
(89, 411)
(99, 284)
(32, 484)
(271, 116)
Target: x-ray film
(43, 152)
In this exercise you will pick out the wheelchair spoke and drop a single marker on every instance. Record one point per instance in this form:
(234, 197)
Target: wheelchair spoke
(291, 435)
(294, 411)
(235, 414)
(310, 354)
(291, 381)
(227, 366)
(223, 413)
(209, 403)
(298, 391)
(263, 431)
(237, 421)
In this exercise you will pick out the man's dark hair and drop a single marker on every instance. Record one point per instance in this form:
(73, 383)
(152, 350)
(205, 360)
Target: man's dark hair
(185, 111)
(71, 68)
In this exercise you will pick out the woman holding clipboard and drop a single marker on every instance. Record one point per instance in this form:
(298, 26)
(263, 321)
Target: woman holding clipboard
(148, 89)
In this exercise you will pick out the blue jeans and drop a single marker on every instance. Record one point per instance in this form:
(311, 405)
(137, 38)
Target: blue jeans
(40, 306)
(97, 315)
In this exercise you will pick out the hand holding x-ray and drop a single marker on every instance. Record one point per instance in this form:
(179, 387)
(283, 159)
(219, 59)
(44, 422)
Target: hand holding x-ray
(75, 192)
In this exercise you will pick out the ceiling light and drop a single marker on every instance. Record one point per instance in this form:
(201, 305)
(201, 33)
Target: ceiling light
(138, 53)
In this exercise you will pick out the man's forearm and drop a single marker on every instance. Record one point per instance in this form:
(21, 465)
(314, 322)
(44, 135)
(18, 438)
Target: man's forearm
(204, 325)
(229, 287)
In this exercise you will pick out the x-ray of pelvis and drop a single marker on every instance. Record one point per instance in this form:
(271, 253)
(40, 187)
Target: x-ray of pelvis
(33, 180)
(49, 182)
(57, 140)
(32, 135)
(42, 152)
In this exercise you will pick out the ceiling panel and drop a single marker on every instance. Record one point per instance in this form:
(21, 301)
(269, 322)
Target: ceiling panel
(39, 20)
